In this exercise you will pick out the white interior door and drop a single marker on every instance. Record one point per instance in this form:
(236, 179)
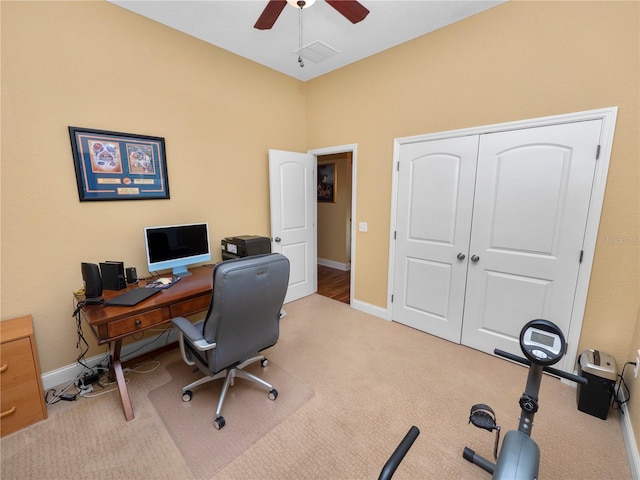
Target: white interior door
(293, 209)
(532, 198)
(435, 204)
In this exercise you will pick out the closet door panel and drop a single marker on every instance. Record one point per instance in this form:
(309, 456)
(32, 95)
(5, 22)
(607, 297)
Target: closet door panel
(435, 203)
(532, 200)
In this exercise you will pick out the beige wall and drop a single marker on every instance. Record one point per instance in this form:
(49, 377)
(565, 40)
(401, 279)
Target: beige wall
(220, 114)
(334, 218)
(95, 65)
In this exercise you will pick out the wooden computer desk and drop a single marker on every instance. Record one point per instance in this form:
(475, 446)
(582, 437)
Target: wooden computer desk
(192, 294)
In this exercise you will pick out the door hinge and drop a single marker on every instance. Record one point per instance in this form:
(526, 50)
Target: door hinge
(395, 232)
(598, 152)
(581, 255)
(392, 298)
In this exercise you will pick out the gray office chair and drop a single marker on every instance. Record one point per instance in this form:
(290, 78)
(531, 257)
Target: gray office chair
(243, 319)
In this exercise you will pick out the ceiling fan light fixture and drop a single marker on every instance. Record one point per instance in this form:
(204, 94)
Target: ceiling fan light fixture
(306, 3)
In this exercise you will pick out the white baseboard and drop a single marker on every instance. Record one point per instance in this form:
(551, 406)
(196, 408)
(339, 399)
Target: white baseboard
(70, 373)
(332, 264)
(370, 309)
(630, 443)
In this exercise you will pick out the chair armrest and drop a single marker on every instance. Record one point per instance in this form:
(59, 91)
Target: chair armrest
(193, 335)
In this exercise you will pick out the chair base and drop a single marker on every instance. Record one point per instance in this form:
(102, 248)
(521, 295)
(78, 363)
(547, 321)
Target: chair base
(230, 375)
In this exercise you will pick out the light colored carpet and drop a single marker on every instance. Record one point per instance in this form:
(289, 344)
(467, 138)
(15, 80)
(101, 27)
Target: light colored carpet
(372, 380)
(247, 410)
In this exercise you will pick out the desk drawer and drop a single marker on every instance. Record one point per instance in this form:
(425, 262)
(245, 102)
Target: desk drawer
(135, 323)
(189, 307)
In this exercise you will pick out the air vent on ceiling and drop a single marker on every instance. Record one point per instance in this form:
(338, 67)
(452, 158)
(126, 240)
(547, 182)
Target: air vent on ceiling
(317, 52)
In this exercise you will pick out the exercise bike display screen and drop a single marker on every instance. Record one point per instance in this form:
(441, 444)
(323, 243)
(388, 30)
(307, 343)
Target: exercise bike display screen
(547, 340)
(542, 346)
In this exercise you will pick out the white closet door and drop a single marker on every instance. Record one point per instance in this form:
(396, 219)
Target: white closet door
(435, 202)
(532, 199)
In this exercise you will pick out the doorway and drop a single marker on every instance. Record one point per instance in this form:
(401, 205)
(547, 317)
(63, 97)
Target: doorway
(333, 214)
(293, 192)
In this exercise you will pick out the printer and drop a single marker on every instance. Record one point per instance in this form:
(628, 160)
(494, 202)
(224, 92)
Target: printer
(244, 246)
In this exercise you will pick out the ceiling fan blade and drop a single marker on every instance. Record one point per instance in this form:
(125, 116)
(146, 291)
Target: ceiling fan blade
(270, 14)
(352, 10)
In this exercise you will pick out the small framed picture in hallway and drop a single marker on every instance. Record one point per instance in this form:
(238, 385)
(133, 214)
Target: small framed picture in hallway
(327, 183)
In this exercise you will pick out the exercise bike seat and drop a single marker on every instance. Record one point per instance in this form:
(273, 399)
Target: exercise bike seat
(519, 458)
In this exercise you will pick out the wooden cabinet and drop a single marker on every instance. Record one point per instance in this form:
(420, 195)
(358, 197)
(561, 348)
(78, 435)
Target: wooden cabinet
(22, 395)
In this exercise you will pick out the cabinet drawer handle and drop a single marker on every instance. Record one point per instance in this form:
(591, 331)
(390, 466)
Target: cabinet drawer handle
(8, 412)
(3, 367)
(138, 323)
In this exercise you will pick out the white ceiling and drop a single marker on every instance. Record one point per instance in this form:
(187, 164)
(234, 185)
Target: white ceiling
(229, 25)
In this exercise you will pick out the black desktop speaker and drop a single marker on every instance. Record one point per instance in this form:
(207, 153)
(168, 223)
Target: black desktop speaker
(92, 282)
(132, 275)
(113, 275)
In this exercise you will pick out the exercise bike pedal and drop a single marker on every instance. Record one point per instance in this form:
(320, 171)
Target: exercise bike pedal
(483, 416)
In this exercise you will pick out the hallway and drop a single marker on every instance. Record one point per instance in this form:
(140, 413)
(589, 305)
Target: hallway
(334, 283)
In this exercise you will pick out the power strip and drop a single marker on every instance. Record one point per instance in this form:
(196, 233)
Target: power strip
(85, 390)
(88, 380)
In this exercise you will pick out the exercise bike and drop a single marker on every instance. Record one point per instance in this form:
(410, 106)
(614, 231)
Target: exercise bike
(543, 343)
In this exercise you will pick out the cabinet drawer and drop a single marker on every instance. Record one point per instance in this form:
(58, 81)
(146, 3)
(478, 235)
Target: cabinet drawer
(133, 324)
(189, 307)
(21, 404)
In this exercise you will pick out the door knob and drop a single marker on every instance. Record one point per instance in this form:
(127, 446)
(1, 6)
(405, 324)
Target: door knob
(475, 258)
(277, 239)
(461, 256)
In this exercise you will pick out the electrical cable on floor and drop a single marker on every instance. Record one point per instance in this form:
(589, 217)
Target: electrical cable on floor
(93, 393)
(615, 401)
(53, 396)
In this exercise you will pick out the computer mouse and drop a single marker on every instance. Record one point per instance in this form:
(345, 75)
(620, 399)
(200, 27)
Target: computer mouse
(164, 281)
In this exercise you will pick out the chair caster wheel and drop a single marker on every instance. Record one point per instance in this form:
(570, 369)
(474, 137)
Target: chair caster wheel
(218, 422)
(186, 396)
(273, 394)
(264, 362)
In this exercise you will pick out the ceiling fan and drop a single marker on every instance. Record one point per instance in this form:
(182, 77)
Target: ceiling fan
(352, 10)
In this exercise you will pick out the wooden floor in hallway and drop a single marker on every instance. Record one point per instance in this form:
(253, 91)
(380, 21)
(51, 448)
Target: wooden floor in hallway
(334, 283)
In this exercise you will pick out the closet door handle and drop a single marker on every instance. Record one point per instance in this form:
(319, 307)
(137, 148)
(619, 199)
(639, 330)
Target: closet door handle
(277, 240)
(475, 258)
(461, 256)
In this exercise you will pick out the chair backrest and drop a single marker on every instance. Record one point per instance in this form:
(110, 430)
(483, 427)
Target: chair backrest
(244, 315)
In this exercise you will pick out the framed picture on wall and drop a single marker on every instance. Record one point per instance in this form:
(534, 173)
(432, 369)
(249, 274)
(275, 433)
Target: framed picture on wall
(118, 166)
(327, 183)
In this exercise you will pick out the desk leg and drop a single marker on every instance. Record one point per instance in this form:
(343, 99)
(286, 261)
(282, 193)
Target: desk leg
(119, 376)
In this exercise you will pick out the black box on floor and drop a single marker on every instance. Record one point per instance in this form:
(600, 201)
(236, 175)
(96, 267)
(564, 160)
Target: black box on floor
(600, 370)
(244, 246)
(113, 275)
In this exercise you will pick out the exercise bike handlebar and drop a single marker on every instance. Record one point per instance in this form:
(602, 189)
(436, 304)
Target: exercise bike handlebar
(399, 453)
(553, 371)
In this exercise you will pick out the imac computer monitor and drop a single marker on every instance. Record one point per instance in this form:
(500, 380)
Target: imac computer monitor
(176, 247)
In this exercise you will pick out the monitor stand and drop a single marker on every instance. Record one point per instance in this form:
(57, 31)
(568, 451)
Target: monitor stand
(181, 271)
